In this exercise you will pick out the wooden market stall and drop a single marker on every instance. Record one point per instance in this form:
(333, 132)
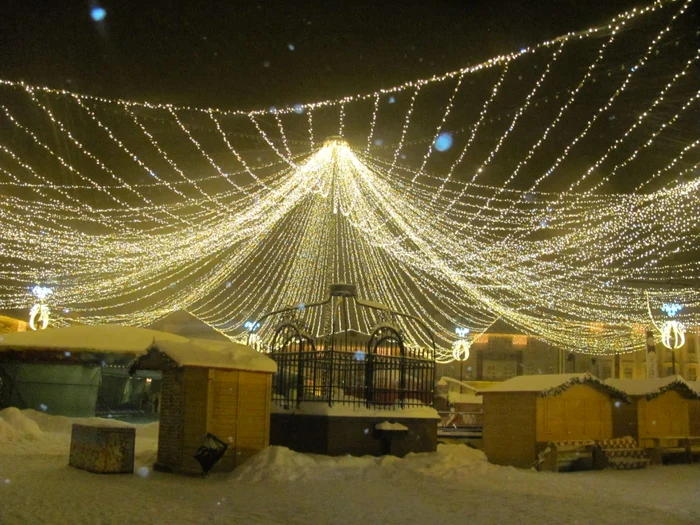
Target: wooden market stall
(211, 392)
(694, 411)
(523, 415)
(659, 416)
(70, 371)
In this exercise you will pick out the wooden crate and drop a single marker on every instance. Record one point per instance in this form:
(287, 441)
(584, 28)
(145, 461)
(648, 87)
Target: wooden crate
(103, 450)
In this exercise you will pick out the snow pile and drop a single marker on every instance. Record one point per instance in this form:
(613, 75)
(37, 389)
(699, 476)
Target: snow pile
(31, 425)
(457, 462)
(281, 464)
(15, 426)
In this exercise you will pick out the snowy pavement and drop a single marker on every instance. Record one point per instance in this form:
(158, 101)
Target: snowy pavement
(454, 485)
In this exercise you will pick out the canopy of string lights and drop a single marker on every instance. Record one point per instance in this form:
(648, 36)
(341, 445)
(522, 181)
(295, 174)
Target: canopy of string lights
(533, 188)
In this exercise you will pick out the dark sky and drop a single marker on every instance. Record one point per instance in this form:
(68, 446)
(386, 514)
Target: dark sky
(236, 54)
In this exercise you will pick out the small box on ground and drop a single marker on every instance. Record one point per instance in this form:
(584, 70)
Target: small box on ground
(103, 450)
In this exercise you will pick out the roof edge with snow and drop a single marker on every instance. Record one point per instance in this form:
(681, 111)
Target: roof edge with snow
(654, 387)
(586, 379)
(163, 355)
(553, 384)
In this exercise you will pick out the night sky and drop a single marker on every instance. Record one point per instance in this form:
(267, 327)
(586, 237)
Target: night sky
(245, 55)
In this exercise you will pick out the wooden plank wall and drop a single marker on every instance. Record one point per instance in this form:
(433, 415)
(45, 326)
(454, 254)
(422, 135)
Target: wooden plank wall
(664, 416)
(238, 413)
(222, 421)
(625, 419)
(232, 405)
(581, 412)
(694, 417)
(253, 414)
(509, 428)
(194, 415)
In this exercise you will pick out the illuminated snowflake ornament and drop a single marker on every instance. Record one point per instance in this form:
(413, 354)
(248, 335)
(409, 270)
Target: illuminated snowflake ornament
(40, 312)
(671, 309)
(672, 331)
(461, 332)
(673, 334)
(460, 350)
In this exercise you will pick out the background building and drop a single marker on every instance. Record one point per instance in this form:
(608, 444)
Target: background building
(502, 353)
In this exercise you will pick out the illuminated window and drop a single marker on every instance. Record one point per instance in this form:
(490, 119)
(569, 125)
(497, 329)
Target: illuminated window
(520, 340)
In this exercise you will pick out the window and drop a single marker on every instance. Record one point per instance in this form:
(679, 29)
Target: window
(508, 371)
(629, 372)
(490, 372)
(692, 373)
(607, 372)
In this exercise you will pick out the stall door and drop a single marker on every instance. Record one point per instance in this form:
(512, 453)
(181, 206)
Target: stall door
(663, 417)
(579, 413)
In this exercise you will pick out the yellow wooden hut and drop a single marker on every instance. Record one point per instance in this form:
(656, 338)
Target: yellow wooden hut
(210, 390)
(659, 415)
(694, 411)
(524, 414)
(10, 324)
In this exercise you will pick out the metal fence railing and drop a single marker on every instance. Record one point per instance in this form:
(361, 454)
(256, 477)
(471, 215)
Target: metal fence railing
(352, 378)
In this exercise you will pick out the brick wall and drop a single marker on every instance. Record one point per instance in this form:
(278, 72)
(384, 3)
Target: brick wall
(170, 433)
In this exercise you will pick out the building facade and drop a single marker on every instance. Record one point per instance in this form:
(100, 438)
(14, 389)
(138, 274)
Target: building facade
(500, 356)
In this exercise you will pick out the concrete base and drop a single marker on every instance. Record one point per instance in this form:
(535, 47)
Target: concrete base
(357, 436)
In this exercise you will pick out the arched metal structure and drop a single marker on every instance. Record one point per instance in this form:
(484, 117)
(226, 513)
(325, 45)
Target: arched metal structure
(360, 355)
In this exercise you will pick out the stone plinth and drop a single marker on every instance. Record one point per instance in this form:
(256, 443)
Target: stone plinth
(103, 450)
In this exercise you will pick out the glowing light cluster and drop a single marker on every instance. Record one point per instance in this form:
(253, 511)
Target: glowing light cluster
(40, 312)
(672, 334)
(461, 198)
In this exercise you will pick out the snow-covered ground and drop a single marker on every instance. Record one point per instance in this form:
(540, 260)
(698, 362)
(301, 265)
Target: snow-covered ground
(454, 485)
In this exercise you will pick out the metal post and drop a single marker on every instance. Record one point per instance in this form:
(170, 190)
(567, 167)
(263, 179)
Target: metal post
(673, 360)
(300, 372)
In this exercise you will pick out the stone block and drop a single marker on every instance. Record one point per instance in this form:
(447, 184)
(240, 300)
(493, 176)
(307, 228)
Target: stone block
(103, 450)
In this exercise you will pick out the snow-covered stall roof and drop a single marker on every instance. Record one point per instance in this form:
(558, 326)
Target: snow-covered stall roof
(552, 384)
(462, 399)
(120, 339)
(446, 380)
(97, 338)
(206, 353)
(655, 386)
